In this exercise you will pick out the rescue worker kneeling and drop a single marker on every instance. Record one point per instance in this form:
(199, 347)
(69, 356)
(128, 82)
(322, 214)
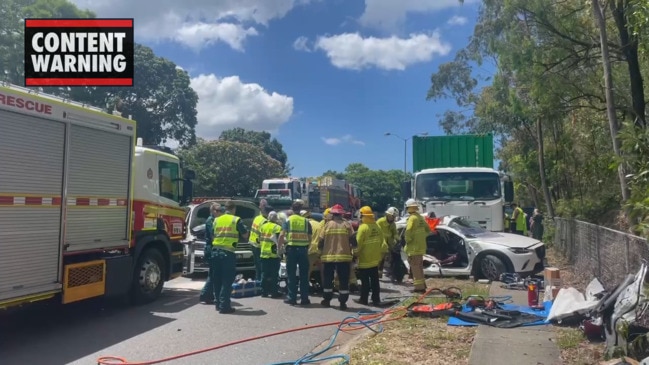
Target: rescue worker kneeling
(269, 254)
(371, 249)
(336, 256)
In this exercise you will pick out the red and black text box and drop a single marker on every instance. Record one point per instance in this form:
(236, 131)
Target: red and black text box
(79, 52)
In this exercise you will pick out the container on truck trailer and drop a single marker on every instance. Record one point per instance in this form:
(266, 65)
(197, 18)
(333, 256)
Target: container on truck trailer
(85, 211)
(454, 175)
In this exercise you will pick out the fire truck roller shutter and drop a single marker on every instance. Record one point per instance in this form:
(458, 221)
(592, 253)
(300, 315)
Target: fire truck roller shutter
(31, 178)
(98, 187)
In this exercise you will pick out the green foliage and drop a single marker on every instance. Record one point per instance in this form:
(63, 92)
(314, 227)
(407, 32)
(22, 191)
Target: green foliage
(263, 140)
(549, 71)
(381, 189)
(162, 102)
(635, 142)
(225, 168)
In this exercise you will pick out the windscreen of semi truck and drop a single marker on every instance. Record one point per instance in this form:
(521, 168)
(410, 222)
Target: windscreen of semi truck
(466, 186)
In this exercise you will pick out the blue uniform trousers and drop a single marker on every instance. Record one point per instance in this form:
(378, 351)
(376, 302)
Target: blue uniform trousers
(297, 256)
(223, 271)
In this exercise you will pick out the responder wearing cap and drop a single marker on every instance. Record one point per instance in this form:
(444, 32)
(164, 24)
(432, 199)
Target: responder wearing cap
(370, 251)
(228, 230)
(417, 230)
(270, 261)
(207, 293)
(254, 236)
(297, 232)
(336, 248)
(389, 228)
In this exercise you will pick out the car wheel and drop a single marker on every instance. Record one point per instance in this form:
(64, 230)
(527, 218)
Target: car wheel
(491, 267)
(148, 278)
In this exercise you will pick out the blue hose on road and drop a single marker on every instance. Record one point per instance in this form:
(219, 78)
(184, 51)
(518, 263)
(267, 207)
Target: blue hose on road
(350, 321)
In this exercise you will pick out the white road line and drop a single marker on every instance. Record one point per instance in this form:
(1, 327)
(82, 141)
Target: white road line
(176, 301)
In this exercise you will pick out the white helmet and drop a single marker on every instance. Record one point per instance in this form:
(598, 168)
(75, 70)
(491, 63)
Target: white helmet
(411, 203)
(392, 211)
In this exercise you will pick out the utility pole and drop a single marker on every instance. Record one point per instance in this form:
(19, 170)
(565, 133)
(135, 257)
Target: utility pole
(405, 149)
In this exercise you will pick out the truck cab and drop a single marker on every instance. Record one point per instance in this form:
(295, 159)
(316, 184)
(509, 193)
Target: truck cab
(478, 194)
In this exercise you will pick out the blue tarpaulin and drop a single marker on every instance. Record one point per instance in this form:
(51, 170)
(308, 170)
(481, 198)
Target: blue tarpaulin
(452, 321)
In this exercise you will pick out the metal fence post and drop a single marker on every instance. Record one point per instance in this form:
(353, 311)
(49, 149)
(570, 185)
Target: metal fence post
(626, 253)
(597, 249)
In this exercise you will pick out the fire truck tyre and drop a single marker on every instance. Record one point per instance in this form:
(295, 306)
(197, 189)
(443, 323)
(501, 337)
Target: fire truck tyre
(492, 266)
(148, 278)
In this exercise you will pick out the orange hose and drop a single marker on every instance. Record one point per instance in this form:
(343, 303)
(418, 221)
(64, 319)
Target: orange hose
(115, 360)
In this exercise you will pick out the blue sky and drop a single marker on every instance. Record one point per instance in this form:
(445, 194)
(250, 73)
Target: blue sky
(328, 77)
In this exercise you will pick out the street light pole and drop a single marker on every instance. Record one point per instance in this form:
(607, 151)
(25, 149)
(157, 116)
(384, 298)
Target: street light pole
(405, 149)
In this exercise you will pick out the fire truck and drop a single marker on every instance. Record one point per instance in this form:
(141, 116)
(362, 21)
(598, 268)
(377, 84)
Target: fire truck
(85, 209)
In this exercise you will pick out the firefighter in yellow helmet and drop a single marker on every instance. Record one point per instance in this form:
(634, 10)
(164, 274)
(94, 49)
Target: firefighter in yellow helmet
(417, 230)
(370, 251)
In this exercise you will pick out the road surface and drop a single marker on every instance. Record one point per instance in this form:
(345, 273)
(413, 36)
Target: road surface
(79, 333)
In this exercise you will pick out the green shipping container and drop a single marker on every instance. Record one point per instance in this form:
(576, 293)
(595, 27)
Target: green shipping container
(469, 150)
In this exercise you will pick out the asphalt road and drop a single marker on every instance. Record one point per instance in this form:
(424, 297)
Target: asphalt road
(177, 323)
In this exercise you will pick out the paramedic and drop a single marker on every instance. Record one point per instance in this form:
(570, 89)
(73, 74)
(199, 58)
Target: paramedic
(297, 235)
(270, 261)
(207, 293)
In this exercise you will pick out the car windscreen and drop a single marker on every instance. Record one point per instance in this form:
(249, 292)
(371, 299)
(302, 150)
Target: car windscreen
(201, 212)
(467, 227)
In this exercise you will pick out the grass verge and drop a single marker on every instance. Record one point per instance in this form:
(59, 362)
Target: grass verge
(413, 341)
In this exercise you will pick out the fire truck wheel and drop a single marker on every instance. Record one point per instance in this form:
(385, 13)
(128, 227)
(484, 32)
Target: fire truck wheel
(148, 277)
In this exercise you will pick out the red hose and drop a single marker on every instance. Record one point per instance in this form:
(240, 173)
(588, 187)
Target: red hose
(116, 360)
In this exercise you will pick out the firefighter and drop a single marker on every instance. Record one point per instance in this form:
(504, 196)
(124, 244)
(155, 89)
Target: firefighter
(336, 256)
(314, 254)
(353, 280)
(228, 230)
(254, 235)
(417, 230)
(370, 250)
(297, 235)
(393, 257)
(207, 293)
(270, 261)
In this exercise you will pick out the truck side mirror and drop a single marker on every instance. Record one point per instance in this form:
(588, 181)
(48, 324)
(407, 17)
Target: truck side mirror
(509, 191)
(406, 192)
(189, 175)
(188, 191)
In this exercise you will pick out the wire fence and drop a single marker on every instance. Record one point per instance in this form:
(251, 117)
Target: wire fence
(597, 251)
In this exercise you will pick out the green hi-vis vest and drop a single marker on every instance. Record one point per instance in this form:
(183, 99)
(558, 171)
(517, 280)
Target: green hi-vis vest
(268, 245)
(226, 235)
(298, 231)
(255, 233)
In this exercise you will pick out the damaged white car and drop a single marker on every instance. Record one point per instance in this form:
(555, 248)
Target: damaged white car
(459, 247)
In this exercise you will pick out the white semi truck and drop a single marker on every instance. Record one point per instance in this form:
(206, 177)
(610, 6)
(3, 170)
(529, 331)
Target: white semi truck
(85, 209)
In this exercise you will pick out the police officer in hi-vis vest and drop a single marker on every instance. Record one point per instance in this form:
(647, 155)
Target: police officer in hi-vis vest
(297, 233)
(228, 230)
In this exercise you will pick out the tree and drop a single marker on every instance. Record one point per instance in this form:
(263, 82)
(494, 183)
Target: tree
(271, 147)
(161, 101)
(218, 165)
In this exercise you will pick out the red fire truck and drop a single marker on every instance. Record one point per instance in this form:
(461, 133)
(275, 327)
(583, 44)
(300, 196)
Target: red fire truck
(85, 209)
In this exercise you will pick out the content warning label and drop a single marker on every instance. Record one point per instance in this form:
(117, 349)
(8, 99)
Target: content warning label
(79, 52)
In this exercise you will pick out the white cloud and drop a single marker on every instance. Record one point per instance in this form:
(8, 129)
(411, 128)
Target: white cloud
(352, 51)
(195, 23)
(457, 20)
(228, 102)
(302, 44)
(334, 141)
(390, 14)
